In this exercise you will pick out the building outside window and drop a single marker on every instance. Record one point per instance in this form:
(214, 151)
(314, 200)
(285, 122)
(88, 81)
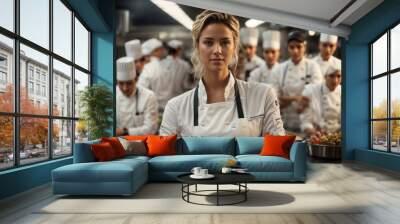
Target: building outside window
(58, 128)
(30, 87)
(385, 94)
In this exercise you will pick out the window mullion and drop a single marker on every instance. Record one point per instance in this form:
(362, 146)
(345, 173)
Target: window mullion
(389, 106)
(50, 81)
(16, 70)
(73, 81)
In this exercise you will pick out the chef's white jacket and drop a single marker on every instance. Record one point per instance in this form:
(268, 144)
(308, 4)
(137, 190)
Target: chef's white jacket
(323, 65)
(137, 113)
(323, 112)
(260, 108)
(290, 80)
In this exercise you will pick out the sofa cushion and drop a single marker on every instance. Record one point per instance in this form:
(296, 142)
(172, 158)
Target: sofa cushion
(103, 152)
(206, 145)
(134, 147)
(116, 145)
(185, 163)
(161, 145)
(277, 145)
(257, 163)
(249, 145)
(112, 171)
(83, 152)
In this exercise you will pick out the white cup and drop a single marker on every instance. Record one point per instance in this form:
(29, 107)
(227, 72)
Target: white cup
(196, 171)
(203, 172)
(226, 170)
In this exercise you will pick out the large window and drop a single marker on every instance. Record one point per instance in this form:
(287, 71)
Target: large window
(385, 91)
(44, 64)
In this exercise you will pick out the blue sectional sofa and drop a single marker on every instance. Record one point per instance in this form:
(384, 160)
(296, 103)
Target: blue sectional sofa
(125, 176)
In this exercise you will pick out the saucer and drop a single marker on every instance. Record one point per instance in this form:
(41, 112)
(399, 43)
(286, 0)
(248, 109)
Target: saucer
(208, 176)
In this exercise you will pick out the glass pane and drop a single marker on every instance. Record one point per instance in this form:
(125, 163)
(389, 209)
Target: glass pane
(7, 14)
(62, 29)
(395, 47)
(81, 81)
(33, 139)
(379, 55)
(62, 89)
(81, 45)
(34, 97)
(6, 142)
(81, 132)
(6, 74)
(35, 21)
(379, 97)
(395, 94)
(379, 135)
(395, 136)
(62, 138)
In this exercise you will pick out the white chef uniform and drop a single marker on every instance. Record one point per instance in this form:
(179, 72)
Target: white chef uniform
(153, 74)
(290, 80)
(138, 112)
(178, 73)
(324, 107)
(256, 103)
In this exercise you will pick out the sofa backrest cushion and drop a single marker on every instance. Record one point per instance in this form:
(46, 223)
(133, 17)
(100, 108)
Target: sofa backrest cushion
(83, 152)
(206, 145)
(249, 145)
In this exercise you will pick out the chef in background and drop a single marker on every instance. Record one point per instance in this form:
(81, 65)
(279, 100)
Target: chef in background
(291, 78)
(153, 75)
(249, 39)
(271, 52)
(136, 106)
(327, 47)
(179, 72)
(322, 113)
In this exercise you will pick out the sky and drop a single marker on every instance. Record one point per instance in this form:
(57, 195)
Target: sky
(379, 59)
(34, 26)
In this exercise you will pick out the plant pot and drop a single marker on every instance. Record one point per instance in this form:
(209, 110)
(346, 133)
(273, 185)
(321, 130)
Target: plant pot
(325, 151)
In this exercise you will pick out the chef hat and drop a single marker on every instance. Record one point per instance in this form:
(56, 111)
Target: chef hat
(133, 49)
(126, 69)
(249, 36)
(333, 67)
(150, 45)
(271, 39)
(328, 38)
(175, 44)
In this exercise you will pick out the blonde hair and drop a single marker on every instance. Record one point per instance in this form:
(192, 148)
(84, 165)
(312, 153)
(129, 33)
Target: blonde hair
(204, 19)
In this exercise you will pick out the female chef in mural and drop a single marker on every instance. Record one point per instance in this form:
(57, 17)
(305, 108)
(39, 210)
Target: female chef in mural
(221, 105)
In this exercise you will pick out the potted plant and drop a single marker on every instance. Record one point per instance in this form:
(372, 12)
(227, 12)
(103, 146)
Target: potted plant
(96, 103)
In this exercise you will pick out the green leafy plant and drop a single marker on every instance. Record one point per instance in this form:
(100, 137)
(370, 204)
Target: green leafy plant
(96, 103)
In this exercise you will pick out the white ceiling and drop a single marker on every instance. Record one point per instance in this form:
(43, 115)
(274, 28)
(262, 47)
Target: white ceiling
(322, 9)
(316, 15)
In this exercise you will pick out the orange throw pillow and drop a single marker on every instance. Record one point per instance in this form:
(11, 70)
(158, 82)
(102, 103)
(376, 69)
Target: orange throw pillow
(277, 145)
(116, 145)
(161, 145)
(135, 137)
(103, 152)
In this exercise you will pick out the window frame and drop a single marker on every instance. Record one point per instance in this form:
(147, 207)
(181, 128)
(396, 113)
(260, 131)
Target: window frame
(388, 74)
(16, 114)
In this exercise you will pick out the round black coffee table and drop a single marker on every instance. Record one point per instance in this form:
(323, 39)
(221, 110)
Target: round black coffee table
(238, 179)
